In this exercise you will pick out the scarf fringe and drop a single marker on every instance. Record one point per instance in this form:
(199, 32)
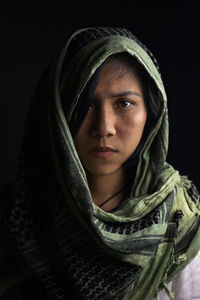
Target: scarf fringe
(169, 293)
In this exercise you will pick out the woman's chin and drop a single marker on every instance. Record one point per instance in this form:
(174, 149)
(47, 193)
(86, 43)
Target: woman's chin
(102, 170)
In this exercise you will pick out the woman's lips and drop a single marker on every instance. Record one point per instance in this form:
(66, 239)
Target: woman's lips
(102, 152)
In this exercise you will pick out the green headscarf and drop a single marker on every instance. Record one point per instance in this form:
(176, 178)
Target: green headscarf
(70, 248)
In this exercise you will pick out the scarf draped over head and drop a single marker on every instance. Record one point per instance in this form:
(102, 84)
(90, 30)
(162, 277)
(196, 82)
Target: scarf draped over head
(69, 247)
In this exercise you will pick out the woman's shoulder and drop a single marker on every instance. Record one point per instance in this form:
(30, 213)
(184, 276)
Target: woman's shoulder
(186, 284)
(187, 192)
(16, 278)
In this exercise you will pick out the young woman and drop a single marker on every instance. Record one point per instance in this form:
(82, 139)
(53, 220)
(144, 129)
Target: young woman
(96, 211)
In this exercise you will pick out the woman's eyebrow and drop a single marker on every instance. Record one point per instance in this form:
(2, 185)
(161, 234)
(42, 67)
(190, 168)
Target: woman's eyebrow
(126, 93)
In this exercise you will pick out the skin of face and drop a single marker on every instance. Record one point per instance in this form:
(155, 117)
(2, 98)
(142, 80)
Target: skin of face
(114, 124)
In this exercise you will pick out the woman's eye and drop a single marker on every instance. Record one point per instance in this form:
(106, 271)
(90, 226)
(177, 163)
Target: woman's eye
(125, 103)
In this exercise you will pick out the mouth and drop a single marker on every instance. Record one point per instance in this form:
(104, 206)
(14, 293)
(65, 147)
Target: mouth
(102, 152)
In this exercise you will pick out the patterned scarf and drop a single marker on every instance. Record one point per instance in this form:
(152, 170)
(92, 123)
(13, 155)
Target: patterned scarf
(56, 243)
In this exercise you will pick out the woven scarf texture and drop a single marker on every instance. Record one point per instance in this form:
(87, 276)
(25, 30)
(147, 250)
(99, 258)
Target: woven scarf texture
(55, 243)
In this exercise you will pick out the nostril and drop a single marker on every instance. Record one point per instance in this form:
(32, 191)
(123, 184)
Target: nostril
(104, 129)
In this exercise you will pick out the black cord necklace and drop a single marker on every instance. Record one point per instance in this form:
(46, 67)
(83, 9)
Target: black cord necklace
(112, 197)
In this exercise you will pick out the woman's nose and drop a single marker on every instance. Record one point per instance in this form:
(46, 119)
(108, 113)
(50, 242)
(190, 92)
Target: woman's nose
(104, 123)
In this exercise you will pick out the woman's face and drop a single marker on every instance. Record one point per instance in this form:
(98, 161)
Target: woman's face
(114, 123)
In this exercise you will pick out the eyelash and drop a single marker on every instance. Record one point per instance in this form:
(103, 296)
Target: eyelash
(119, 104)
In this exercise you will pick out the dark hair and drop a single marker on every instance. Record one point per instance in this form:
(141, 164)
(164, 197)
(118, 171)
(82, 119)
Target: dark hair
(149, 89)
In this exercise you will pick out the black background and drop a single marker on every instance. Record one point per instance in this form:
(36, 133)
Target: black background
(32, 33)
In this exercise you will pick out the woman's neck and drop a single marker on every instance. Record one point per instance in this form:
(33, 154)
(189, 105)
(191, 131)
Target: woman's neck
(102, 187)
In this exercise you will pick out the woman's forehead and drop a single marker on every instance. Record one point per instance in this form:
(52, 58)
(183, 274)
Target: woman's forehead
(112, 83)
(118, 69)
